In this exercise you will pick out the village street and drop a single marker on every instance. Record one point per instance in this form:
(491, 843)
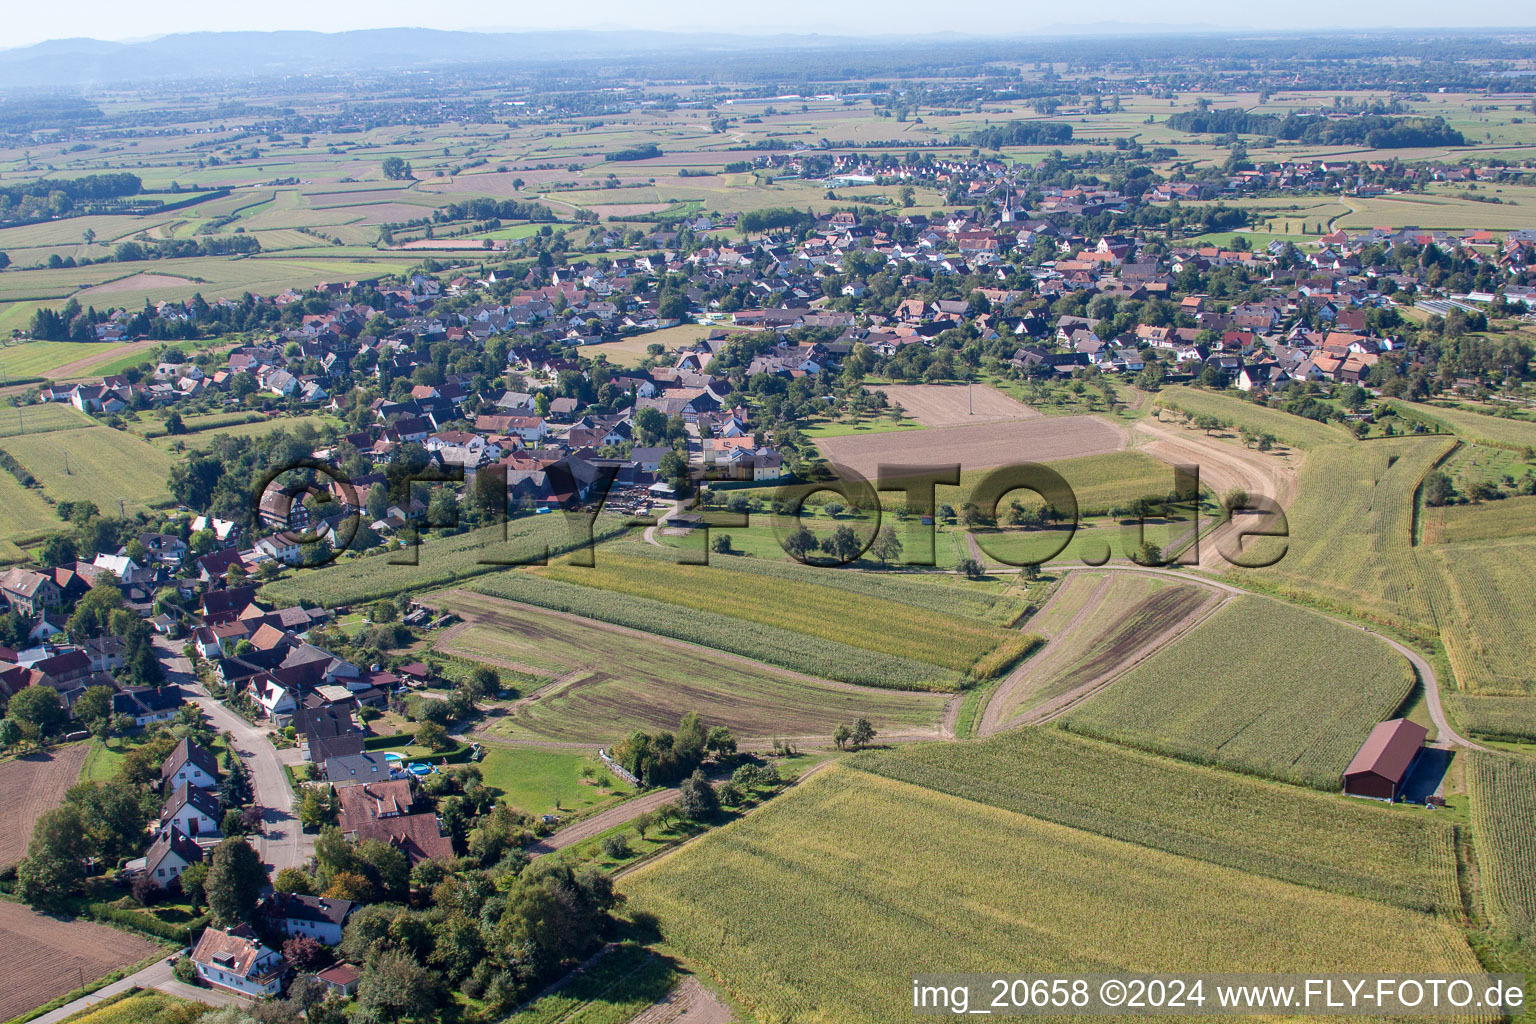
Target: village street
(281, 843)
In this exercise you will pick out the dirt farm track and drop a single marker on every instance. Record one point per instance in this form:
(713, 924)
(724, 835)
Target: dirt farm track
(32, 785)
(978, 445)
(46, 957)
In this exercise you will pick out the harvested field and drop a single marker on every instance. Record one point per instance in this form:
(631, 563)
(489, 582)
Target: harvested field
(978, 445)
(32, 785)
(948, 405)
(1127, 616)
(45, 956)
(612, 681)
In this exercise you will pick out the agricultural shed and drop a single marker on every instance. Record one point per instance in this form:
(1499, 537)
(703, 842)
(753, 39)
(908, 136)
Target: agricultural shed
(1384, 760)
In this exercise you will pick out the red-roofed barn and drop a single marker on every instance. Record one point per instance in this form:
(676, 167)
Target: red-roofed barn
(1385, 760)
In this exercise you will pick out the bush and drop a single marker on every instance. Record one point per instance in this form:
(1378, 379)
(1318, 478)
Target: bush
(145, 892)
(615, 847)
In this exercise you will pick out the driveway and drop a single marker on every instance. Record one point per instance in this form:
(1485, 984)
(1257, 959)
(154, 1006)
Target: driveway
(281, 843)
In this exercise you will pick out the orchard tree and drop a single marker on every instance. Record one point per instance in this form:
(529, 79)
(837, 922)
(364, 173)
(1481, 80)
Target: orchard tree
(38, 710)
(55, 864)
(697, 797)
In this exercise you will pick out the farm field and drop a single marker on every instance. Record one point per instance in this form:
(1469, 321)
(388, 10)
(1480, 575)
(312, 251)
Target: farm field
(34, 784)
(1000, 604)
(1498, 431)
(1126, 615)
(949, 642)
(977, 446)
(608, 683)
(1511, 718)
(1243, 691)
(27, 515)
(541, 781)
(46, 956)
(615, 990)
(198, 435)
(1296, 431)
(1503, 791)
(1487, 521)
(1351, 531)
(147, 1006)
(439, 561)
(1322, 841)
(798, 652)
(41, 358)
(1100, 483)
(1437, 211)
(846, 883)
(95, 464)
(41, 419)
(1482, 604)
(949, 405)
(1093, 543)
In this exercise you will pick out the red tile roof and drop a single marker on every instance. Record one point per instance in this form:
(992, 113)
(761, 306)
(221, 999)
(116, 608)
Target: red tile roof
(1388, 750)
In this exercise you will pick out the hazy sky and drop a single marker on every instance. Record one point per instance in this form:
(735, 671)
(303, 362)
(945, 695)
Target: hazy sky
(23, 23)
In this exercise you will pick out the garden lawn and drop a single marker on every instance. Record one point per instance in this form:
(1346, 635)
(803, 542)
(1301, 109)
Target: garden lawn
(542, 781)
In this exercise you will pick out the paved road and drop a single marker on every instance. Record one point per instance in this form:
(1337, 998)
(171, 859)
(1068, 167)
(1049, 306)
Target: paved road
(282, 842)
(157, 975)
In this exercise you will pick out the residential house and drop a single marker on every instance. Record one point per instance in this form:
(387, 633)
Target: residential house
(172, 852)
(28, 592)
(233, 958)
(192, 810)
(315, 917)
(190, 763)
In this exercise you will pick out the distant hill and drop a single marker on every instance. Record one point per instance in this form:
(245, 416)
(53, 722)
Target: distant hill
(86, 62)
